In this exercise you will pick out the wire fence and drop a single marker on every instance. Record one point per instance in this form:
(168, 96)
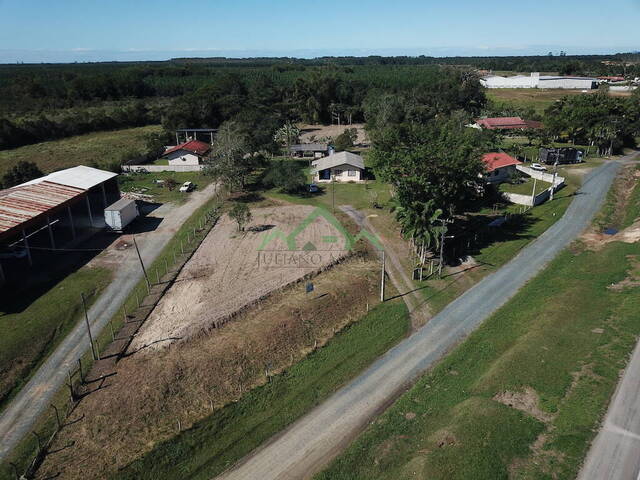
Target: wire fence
(121, 328)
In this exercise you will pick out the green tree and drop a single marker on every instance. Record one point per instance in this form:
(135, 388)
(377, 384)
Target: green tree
(241, 214)
(345, 140)
(285, 175)
(21, 172)
(230, 161)
(286, 136)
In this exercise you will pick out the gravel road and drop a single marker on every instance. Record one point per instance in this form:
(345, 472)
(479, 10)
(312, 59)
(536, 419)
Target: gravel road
(20, 415)
(311, 442)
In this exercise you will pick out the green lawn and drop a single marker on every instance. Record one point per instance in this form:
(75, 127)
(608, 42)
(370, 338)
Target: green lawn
(101, 148)
(146, 183)
(546, 340)
(221, 439)
(29, 332)
(525, 187)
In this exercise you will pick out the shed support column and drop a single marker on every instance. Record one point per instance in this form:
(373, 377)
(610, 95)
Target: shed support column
(2, 277)
(211, 133)
(26, 246)
(53, 242)
(177, 140)
(104, 195)
(89, 209)
(73, 228)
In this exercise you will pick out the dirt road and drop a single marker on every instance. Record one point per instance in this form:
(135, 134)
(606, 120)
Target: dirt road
(615, 453)
(34, 398)
(311, 442)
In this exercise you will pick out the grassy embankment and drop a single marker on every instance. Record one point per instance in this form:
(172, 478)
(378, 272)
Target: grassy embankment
(24, 452)
(221, 439)
(33, 323)
(557, 348)
(101, 148)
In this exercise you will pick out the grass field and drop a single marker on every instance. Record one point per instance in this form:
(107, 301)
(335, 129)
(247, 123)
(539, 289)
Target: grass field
(221, 439)
(537, 99)
(28, 333)
(99, 148)
(522, 397)
(146, 183)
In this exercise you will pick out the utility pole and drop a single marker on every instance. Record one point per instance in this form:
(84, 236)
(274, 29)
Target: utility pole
(382, 277)
(96, 356)
(533, 193)
(144, 270)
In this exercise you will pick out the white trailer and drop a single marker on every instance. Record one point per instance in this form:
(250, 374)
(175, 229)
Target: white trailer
(120, 214)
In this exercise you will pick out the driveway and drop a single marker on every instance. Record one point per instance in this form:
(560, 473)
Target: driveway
(19, 416)
(311, 442)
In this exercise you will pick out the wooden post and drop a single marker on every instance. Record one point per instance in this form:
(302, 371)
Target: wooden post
(35, 434)
(71, 392)
(144, 270)
(181, 247)
(166, 266)
(96, 356)
(157, 277)
(55, 409)
(137, 299)
(113, 337)
(80, 370)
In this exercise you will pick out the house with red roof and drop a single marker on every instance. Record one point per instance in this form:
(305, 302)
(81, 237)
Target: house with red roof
(188, 153)
(507, 123)
(499, 167)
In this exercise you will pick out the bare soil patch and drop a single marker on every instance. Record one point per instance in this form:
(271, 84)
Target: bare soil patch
(596, 240)
(525, 401)
(232, 270)
(633, 276)
(319, 133)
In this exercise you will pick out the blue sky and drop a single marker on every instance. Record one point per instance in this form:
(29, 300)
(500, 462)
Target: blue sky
(93, 30)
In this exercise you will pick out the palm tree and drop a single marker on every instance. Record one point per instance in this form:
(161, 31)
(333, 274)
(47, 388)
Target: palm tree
(287, 135)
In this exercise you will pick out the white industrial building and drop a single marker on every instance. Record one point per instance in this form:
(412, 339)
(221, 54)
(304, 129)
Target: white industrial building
(535, 80)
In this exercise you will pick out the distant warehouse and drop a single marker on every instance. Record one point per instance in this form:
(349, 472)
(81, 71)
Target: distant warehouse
(535, 80)
(50, 212)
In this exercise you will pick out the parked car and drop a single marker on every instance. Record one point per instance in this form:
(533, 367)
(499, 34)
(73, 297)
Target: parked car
(537, 166)
(313, 188)
(186, 187)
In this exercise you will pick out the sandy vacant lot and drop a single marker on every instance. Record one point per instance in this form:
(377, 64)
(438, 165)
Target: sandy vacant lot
(232, 270)
(311, 133)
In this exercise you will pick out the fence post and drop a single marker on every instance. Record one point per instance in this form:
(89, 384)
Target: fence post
(80, 370)
(35, 434)
(55, 409)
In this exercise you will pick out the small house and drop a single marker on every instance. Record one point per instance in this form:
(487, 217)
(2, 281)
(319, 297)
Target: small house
(313, 150)
(499, 167)
(188, 153)
(339, 167)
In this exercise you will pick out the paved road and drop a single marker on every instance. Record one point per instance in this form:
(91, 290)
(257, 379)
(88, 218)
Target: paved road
(615, 453)
(311, 442)
(19, 416)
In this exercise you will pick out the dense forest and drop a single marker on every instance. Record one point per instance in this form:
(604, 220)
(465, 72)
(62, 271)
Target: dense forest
(44, 102)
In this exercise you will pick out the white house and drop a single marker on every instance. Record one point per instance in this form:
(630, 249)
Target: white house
(339, 167)
(188, 153)
(499, 167)
(535, 80)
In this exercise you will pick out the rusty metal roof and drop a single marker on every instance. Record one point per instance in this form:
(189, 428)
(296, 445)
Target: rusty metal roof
(26, 202)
